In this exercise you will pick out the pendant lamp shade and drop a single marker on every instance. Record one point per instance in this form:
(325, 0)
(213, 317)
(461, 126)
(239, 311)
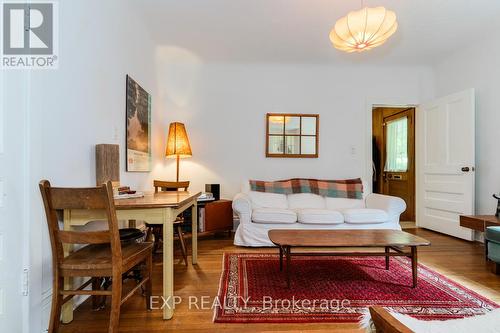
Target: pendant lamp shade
(364, 29)
(178, 141)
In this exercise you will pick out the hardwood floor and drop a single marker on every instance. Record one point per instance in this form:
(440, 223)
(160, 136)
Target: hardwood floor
(459, 260)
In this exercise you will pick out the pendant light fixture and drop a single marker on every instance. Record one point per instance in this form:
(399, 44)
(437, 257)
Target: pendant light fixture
(364, 29)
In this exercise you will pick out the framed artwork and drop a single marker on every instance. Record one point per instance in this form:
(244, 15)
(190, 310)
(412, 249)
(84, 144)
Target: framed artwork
(138, 148)
(292, 135)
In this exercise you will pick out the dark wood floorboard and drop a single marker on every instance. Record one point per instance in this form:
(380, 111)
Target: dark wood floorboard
(459, 260)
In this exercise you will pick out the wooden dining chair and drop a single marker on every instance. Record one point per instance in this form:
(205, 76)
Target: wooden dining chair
(102, 256)
(161, 185)
(157, 230)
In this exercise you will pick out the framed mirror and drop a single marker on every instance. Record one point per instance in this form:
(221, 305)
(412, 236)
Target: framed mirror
(292, 135)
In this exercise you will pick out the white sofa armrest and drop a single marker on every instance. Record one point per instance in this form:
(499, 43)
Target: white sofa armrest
(393, 206)
(242, 205)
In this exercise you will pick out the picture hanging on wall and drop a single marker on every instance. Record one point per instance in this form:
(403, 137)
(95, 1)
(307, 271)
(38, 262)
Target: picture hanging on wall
(138, 148)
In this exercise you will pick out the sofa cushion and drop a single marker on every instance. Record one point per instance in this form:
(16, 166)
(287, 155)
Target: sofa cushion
(305, 200)
(364, 216)
(268, 200)
(273, 215)
(343, 203)
(319, 216)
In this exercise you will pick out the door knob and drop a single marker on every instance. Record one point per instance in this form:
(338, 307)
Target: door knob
(465, 169)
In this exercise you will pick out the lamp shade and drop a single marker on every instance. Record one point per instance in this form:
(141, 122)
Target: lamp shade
(364, 29)
(178, 141)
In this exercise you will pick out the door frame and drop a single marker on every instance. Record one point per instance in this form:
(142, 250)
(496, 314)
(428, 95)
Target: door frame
(370, 104)
(392, 112)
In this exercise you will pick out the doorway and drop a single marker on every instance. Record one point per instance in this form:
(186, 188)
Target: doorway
(393, 154)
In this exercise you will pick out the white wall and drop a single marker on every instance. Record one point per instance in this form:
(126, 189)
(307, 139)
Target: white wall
(224, 108)
(78, 106)
(13, 199)
(478, 66)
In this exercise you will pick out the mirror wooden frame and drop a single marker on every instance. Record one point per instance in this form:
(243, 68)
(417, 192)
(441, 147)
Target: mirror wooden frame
(284, 135)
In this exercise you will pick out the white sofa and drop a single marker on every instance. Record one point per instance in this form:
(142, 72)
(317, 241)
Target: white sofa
(260, 212)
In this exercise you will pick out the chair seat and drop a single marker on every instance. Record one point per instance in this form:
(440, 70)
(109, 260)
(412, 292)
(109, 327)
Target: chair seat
(493, 234)
(98, 257)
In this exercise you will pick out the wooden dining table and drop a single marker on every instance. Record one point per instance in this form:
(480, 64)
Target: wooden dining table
(153, 208)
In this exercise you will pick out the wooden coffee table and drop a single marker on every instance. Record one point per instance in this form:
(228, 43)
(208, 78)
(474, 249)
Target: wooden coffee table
(394, 240)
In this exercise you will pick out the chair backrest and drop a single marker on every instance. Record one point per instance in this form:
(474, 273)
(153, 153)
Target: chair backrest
(96, 198)
(161, 185)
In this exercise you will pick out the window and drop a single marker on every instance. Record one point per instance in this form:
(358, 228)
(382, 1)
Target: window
(397, 145)
(292, 135)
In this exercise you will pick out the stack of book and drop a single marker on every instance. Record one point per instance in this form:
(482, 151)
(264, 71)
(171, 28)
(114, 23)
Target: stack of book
(124, 192)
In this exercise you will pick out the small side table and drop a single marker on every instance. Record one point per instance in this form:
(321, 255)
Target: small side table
(218, 217)
(479, 222)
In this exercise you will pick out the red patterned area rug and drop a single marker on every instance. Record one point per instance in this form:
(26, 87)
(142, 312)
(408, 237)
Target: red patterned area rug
(336, 289)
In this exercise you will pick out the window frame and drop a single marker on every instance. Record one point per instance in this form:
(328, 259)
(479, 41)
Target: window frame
(386, 142)
(300, 135)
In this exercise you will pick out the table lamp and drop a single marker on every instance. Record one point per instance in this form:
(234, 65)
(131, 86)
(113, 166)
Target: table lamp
(178, 143)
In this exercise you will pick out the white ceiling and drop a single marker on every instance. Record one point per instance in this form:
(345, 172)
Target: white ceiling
(290, 31)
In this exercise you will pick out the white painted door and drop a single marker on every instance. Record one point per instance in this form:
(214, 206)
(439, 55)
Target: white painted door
(445, 132)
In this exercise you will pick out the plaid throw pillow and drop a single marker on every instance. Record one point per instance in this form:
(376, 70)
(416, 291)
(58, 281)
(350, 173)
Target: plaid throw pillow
(348, 188)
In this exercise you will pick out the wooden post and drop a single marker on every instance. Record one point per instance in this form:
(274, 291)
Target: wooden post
(288, 263)
(107, 164)
(387, 250)
(194, 232)
(168, 266)
(281, 258)
(67, 308)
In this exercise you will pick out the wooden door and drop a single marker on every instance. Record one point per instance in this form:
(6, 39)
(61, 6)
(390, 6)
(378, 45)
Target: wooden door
(394, 141)
(446, 161)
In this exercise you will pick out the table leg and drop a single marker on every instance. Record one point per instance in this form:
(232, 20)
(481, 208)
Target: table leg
(67, 308)
(288, 262)
(387, 250)
(486, 250)
(168, 263)
(414, 267)
(281, 259)
(194, 233)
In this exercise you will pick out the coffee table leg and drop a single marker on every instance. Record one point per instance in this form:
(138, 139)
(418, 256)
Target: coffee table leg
(414, 268)
(387, 250)
(486, 250)
(281, 259)
(288, 266)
